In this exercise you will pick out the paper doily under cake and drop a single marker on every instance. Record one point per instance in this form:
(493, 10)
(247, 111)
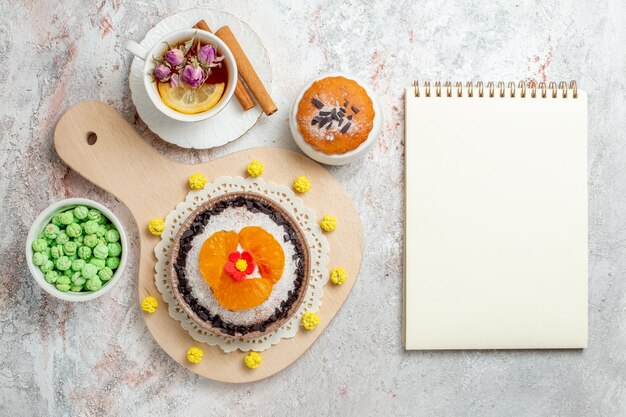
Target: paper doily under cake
(316, 242)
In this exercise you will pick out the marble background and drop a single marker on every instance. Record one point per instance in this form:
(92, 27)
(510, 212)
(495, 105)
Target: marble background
(98, 358)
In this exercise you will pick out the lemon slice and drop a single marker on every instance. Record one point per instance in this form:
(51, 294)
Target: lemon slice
(187, 100)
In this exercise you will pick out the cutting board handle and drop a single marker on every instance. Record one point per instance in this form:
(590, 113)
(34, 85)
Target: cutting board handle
(96, 141)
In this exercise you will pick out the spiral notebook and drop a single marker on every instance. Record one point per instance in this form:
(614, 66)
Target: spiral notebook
(496, 216)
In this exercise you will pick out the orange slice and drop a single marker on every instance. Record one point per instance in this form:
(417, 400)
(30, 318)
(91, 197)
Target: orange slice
(242, 295)
(266, 252)
(213, 256)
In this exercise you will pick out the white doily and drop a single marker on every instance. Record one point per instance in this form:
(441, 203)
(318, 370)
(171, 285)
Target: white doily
(316, 242)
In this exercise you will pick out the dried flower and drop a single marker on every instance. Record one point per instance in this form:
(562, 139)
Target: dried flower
(149, 304)
(175, 57)
(310, 320)
(162, 72)
(194, 76)
(206, 54)
(175, 80)
(195, 354)
(252, 360)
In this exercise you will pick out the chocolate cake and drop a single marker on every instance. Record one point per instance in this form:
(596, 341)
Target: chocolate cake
(234, 214)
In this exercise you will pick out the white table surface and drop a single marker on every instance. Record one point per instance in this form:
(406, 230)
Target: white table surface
(98, 358)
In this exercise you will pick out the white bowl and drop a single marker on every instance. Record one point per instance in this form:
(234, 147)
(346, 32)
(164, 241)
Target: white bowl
(343, 158)
(37, 228)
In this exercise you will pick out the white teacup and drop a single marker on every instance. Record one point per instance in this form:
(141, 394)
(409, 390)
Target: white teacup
(159, 49)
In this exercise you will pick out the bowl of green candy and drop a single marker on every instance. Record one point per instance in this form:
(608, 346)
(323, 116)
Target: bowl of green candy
(76, 249)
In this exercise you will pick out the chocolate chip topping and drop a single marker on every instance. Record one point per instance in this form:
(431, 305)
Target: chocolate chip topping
(317, 103)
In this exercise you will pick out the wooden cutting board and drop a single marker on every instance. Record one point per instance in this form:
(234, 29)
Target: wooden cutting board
(122, 163)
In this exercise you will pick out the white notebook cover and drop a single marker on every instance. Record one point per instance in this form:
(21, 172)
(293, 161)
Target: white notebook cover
(496, 222)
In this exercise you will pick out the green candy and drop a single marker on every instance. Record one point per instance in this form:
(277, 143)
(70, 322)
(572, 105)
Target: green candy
(63, 263)
(81, 212)
(63, 280)
(96, 216)
(76, 288)
(90, 240)
(63, 287)
(108, 226)
(46, 266)
(51, 231)
(68, 272)
(105, 273)
(112, 235)
(93, 284)
(113, 263)
(115, 249)
(78, 279)
(89, 271)
(84, 252)
(56, 251)
(39, 258)
(78, 264)
(55, 220)
(62, 238)
(101, 251)
(74, 230)
(70, 248)
(101, 231)
(40, 245)
(79, 239)
(66, 218)
(90, 227)
(51, 277)
(98, 263)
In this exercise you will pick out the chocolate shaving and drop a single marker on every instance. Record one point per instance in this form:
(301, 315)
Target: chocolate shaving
(317, 103)
(326, 118)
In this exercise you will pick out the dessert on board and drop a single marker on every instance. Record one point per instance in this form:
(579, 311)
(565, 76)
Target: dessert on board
(239, 265)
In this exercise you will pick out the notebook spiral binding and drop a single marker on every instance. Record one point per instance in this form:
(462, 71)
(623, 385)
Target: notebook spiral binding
(490, 88)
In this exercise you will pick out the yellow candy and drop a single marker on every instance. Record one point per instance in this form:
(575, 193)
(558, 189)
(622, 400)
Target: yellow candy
(252, 360)
(149, 304)
(255, 169)
(310, 320)
(328, 223)
(156, 226)
(195, 354)
(197, 181)
(338, 276)
(302, 184)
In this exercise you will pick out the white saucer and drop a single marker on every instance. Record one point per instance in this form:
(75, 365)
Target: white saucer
(229, 124)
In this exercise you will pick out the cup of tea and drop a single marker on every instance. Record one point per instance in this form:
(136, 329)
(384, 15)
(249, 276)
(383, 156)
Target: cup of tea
(190, 74)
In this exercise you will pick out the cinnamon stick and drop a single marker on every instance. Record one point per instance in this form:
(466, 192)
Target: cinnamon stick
(247, 72)
(240, 90)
